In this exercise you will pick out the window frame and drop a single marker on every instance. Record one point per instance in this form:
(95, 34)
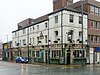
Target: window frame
(56, 19)
(71, 18)
(37, 40)
(99, 11)
(78, 53)
(80, 35)
(45, 38)
(92, 9)
(96, 11)
(33, 40)
(55, 54)
(30, 30)
(30, 41)
(91, 38)
(80, 19)
(24, 41)
(24, 31)
(46, 25)
(92, 23)
(37, 27)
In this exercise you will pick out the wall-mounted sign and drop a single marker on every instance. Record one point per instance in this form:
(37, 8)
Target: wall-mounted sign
(5, 47)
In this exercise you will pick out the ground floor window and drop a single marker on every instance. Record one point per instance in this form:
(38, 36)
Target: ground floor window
(16, 53)
(33, 53)
(37, 53)
(78, 53)
(55, 54)
(25, 53)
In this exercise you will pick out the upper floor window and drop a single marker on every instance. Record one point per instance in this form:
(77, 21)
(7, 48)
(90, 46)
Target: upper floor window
(91, 24)
(30, 40)
(37, 27)
(56, 35)
(24, 31)
(37, 40)
(33, 28)
(71, 19)
(80, 20)
(70, 36)
(91, 39)
(96, 11)
(92, 10)
(80, 35)
(30, 30)
(46, 25)
(99, 12)
(97, 25)
(24, 42)
(33, 40)
(96, 39)
(56, 19)
(45, 38)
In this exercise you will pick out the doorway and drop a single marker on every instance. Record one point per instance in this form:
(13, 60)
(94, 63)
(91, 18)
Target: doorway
(11, 56)
(46, 56)
(68, 58)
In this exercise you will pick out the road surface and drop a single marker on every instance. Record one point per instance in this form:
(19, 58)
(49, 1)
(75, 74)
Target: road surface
(8, 68)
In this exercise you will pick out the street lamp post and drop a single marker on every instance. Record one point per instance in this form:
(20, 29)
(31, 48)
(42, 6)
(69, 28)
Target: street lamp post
(48, 45)
(82, 36)
(62, 37)
(28, 43)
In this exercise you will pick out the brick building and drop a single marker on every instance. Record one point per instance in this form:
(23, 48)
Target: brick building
(58, 4)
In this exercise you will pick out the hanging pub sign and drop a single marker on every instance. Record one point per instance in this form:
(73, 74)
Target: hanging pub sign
(41, 36)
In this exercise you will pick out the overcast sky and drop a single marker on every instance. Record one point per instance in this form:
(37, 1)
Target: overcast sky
(15, 11)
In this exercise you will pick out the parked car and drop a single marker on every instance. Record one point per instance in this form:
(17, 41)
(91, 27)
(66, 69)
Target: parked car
(21, 60)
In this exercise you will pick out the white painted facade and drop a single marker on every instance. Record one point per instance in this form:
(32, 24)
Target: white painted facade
(97, 57)
(67, 26)
(91, 55)
(54, 30)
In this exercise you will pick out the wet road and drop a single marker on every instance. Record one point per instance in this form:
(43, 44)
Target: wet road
(7, 68)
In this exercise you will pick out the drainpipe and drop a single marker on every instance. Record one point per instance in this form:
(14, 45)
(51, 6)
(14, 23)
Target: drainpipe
(48, 45)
